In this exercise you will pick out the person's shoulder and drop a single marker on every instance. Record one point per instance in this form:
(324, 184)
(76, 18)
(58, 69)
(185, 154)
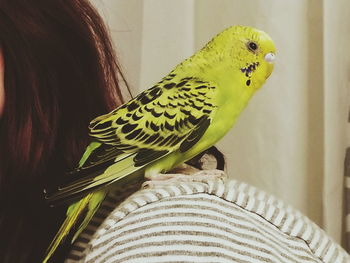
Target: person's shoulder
(211, 221)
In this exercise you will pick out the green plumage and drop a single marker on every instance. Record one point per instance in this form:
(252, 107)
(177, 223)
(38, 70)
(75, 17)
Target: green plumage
(185, 113)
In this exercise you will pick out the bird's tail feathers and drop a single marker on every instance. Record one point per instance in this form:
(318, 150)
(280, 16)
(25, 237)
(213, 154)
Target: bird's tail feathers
(115, 172)
(74, 213)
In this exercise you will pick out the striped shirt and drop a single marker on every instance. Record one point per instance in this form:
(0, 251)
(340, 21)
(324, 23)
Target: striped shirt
(207, 221)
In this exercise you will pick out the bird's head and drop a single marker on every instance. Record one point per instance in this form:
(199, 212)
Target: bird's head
(246, 50)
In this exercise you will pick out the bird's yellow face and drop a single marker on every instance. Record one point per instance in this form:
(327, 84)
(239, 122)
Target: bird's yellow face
(246, 50)
(253, 54)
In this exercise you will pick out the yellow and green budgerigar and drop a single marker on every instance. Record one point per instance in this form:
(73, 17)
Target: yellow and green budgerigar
(183, 114)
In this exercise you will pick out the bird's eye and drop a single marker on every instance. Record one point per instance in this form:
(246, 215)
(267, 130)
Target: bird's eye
(252, 46)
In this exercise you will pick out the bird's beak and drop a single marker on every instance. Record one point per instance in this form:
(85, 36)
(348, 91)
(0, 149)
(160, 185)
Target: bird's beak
(270, 59)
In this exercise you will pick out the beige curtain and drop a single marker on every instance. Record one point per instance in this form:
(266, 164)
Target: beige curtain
(291, 139)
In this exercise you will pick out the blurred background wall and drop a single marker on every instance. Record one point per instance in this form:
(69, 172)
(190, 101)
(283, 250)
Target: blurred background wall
(291, 139)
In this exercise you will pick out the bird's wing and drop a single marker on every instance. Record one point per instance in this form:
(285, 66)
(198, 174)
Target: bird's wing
(160, 118)
(168, 117)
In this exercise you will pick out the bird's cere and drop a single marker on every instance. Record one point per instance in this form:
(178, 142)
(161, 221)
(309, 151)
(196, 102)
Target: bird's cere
(270, 57)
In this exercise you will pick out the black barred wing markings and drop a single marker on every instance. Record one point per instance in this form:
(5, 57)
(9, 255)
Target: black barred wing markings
(161, 120)
(158, 119)
(196, 134)
(145, 156)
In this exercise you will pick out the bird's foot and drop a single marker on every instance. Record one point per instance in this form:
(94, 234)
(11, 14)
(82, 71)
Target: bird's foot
(159, 180)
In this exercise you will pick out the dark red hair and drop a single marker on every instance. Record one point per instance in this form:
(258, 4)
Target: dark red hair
(60, 73)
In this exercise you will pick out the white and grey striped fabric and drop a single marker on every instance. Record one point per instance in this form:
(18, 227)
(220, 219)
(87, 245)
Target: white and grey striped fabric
(208, 221)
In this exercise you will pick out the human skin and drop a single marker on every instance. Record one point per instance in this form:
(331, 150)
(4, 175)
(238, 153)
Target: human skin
(2, 89)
